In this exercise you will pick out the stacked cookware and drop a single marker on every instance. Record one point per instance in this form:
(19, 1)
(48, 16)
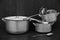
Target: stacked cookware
(20, 24)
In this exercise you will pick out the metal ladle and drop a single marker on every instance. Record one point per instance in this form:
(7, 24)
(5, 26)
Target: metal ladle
(41, 11)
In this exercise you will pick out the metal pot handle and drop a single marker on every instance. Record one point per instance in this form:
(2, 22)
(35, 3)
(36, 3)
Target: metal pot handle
(3, 19)
(35, 24)
(58, 13)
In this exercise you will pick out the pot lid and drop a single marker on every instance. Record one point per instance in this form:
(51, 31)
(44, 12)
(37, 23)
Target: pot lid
(15, 18)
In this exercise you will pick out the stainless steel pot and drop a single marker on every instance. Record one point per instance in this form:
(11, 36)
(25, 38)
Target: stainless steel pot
(42, 27)
(16, 24)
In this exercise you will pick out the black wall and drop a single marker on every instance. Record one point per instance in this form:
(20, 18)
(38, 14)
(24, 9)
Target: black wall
(26, 7)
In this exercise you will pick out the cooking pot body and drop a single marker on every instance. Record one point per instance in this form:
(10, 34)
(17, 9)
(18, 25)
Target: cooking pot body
(16, 26)
(43, 27)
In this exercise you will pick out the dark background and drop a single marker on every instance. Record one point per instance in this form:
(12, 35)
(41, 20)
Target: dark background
(26, 8)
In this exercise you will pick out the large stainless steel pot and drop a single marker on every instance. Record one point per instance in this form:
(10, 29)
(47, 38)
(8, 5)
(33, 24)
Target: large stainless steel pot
(16, 24)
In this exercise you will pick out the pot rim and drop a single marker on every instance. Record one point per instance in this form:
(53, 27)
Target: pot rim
(15, 18)
(45, 22)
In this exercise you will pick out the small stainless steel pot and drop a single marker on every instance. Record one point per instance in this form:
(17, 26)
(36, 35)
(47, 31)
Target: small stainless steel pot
(42, 27)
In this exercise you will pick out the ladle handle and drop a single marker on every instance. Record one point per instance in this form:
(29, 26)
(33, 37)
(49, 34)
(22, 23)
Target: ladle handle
(35, 20)
(33, 15)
